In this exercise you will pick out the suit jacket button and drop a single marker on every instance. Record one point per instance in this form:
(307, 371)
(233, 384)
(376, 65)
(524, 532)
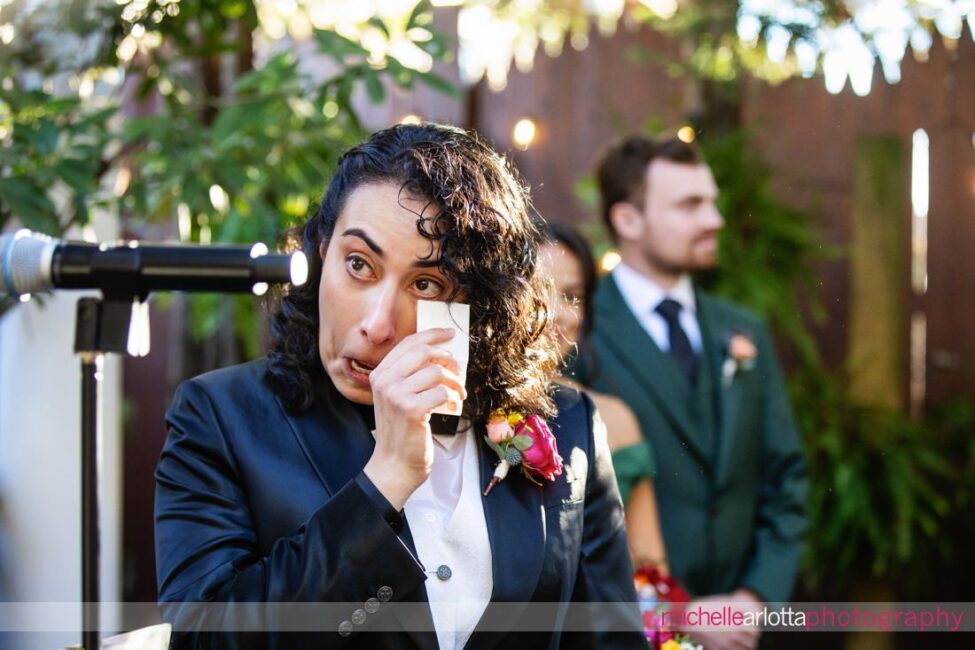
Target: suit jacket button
(359, 616)
(345, 628)
(385, 594)
(372, 606)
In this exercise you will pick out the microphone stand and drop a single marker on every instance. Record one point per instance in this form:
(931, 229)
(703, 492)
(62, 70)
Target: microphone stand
(101, 326)
(126, 274)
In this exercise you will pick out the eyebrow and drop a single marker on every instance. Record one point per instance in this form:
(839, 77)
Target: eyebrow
(374, 247)
(357, 232)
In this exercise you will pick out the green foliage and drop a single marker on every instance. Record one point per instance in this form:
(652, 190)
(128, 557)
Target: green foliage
(767, 246)
(882, 487)
(50, 159)
(269, 149)
(52, 153)
(714, 47)
(225, 150)
(494, 446)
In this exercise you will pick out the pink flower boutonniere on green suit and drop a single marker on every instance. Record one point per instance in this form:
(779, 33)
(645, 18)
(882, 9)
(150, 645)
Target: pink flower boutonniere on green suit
(740, 356)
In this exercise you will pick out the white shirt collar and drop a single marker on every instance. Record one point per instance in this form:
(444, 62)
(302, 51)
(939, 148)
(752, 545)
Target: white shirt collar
(643, 294)
(449, 440)
(446, 440)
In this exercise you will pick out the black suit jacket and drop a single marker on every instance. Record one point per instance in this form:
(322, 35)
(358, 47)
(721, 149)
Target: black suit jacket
(254, 505)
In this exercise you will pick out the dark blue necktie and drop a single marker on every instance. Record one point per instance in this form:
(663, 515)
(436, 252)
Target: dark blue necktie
(680, 345)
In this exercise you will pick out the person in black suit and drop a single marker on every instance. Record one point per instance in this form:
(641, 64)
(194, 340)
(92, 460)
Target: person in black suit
(312, 477)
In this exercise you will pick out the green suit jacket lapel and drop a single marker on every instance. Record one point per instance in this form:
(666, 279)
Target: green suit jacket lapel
(635, 350)
(717, 327)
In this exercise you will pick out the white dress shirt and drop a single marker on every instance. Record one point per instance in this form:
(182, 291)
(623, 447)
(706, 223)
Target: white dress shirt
(642, 295)
(446, 518)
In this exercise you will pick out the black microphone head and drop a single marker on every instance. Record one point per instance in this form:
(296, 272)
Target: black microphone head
(25, 262)
(31, 262)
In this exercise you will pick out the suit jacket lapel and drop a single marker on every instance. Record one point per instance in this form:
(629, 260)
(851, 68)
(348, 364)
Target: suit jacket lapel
(336, 437)
(514, 515)
(653, 368)
(715, 332)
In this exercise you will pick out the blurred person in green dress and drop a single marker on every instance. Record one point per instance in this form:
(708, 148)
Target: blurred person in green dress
(567, 259)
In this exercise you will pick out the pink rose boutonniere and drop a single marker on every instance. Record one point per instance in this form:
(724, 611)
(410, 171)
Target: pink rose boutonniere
(741, 355)
(524, 442)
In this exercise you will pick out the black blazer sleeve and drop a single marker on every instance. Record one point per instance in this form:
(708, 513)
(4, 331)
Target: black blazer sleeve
(206, 546)
(605, 573)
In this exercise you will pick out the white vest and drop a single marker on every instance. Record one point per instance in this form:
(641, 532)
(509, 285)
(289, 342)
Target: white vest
(446, 518)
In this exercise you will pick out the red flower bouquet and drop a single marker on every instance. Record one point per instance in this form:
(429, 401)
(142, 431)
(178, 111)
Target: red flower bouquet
(658, 594)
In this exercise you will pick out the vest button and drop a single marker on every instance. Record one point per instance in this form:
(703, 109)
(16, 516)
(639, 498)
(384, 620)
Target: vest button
(444, 572)
(345, 628)
(385, 594)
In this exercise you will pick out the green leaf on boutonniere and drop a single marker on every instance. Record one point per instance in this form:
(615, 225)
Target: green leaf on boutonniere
(493, 445)
(521, 442)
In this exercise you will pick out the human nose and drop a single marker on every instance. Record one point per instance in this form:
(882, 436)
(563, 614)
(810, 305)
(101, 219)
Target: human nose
(560, 309)
(566, 312)
(715, 220)
(380, 321)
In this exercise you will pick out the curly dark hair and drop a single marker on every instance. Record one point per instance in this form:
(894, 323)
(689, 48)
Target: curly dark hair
(488, 250)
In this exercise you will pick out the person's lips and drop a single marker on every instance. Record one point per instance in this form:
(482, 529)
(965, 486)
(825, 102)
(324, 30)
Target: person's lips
(359, 370)
(708, 243)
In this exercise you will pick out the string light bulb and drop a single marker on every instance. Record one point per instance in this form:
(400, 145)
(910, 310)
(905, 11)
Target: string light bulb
(524, 133)
(609, 261)
(686, 134)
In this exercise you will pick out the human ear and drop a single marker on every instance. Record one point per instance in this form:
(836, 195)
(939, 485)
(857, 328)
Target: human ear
(627, 220)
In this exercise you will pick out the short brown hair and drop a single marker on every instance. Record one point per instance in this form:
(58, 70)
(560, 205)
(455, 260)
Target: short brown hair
(622, 170)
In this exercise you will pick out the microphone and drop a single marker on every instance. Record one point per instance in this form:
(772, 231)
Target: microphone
(32, 262)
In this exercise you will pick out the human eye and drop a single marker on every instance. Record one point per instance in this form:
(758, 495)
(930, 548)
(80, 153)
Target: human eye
(357, 266)
(572, 298)
(428, 288)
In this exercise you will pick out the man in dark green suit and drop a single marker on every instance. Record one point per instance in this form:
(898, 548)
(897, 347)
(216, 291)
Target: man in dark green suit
(701, 375)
